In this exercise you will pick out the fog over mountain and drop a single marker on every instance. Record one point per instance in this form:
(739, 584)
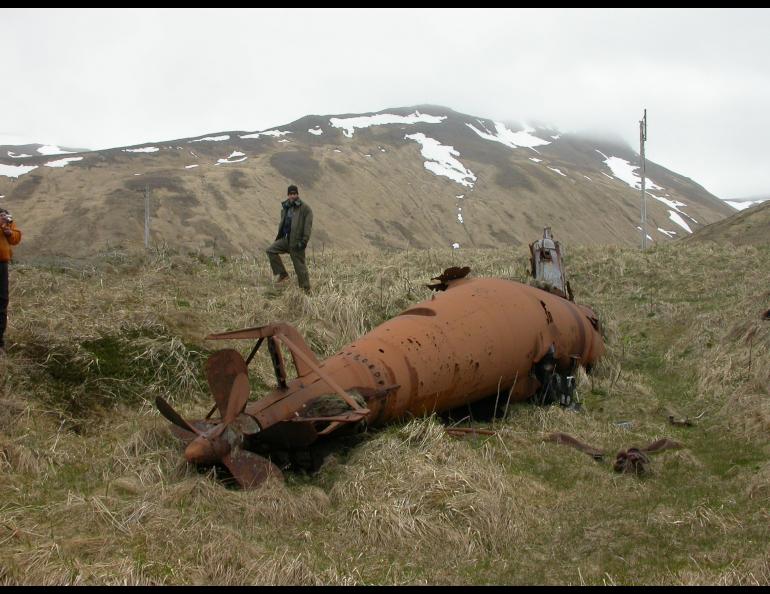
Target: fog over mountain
(116, 77)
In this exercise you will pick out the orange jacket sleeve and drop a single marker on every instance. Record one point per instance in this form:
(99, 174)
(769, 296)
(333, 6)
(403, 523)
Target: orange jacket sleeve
(15, 237)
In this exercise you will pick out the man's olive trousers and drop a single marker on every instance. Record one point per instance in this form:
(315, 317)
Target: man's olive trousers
(281, 246)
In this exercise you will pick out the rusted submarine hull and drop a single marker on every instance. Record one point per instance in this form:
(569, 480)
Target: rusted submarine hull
(476, 337)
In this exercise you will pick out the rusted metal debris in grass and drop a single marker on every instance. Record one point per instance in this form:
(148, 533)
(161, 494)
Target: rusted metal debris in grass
(634, 460)
(450, 274)
(568, 440)
(473, 339)
(680, 422)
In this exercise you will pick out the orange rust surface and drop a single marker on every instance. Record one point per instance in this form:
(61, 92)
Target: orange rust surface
(465, 343)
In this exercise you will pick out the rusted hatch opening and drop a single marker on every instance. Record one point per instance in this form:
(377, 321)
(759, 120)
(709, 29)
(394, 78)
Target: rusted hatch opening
(548, 316)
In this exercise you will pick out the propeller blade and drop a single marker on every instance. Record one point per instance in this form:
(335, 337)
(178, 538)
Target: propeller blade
(221, 370)
(185, 436)
(249, 469)
(182, 434)
(173, 416)
(239, 395)
(235, 404)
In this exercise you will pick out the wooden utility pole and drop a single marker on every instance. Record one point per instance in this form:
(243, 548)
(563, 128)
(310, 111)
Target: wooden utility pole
(642, 139)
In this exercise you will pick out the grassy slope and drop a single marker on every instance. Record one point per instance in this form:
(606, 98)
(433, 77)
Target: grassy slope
(94, 489)
(747, 227)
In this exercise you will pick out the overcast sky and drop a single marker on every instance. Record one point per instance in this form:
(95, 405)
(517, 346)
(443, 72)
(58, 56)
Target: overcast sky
(112, 77)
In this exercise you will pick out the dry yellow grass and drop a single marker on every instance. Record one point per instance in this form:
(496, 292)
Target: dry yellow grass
(94, 489)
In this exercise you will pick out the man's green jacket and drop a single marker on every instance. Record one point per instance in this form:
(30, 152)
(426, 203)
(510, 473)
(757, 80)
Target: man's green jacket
(301, 224)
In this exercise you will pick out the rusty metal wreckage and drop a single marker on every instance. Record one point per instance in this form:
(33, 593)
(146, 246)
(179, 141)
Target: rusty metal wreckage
(472, 339)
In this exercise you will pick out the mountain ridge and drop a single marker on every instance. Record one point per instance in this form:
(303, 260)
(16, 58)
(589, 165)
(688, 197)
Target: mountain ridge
(421, 175)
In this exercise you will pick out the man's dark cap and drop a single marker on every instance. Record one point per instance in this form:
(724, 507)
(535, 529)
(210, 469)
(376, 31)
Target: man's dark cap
(292, 190)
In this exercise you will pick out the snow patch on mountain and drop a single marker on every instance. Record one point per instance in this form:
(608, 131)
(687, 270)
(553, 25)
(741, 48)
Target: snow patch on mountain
(626, 172)
(673, 204)
(441, 160)
(460, 218)
(315, 131)
(349, 125)
(271, 133)
(63, 162)
(212, 138)
(670, 234)
(674, 208)
(190, 166)
(15, 170)
(521, 139)
(674, 216)
(15, 156)
(233, 158)
(51, 149)
(557, 171)
(146, 149)
(648, 235)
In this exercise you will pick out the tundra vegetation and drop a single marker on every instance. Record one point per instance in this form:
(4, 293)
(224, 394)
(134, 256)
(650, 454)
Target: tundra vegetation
(94, 488)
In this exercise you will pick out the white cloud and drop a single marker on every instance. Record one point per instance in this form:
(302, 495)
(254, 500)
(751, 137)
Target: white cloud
(707, 100)
(743, 204)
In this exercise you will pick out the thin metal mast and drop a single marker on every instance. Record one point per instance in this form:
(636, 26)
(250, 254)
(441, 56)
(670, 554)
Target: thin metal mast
(642, 139)
(147, 216)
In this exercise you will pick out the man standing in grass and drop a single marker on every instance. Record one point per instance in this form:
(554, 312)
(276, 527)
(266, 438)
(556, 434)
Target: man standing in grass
(293, 235)
(9, 235)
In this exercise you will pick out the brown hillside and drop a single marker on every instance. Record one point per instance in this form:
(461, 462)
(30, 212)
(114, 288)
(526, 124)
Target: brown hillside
(748, 227)
(368, 186)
